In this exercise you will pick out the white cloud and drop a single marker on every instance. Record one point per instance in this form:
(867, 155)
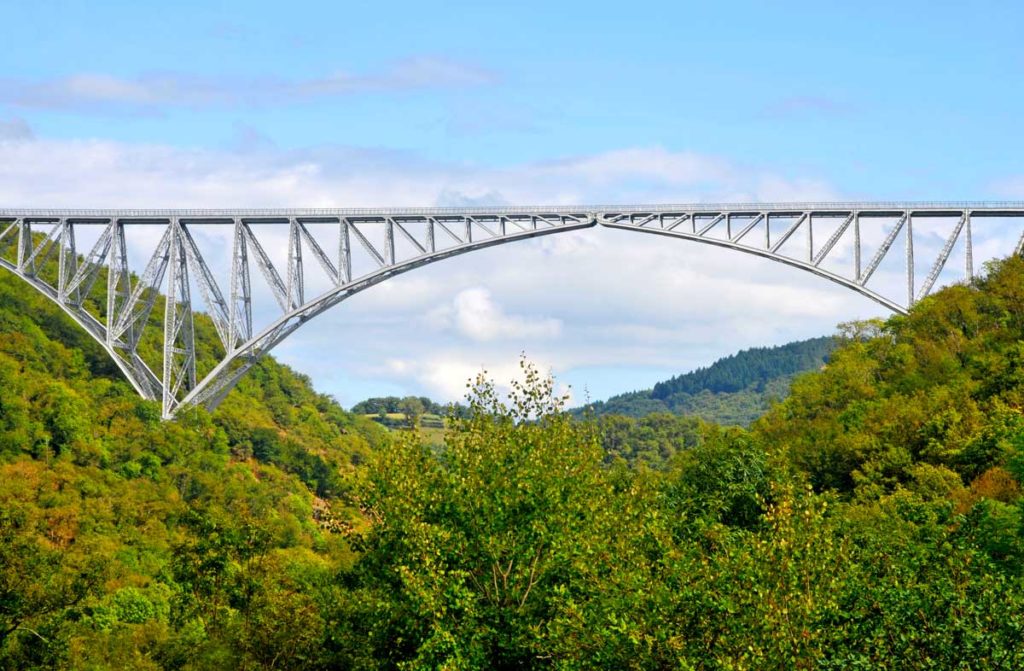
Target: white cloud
(575, 302)
(95, 173)
(447, 377)
(153, 92)
(475, 315)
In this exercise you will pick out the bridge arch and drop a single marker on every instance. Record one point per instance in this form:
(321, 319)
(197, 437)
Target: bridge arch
(178, 265)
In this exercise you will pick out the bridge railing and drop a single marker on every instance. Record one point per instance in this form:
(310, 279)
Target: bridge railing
(1012, 206)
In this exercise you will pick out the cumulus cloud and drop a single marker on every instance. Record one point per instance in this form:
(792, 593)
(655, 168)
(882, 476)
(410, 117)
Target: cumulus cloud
(474, 314)
(153, 92)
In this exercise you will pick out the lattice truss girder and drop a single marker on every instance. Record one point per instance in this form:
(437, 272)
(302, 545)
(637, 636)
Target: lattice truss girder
(829, 241)
(279, 249)
(272, 257)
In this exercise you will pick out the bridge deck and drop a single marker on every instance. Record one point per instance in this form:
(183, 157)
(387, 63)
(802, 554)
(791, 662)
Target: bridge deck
(922, 208)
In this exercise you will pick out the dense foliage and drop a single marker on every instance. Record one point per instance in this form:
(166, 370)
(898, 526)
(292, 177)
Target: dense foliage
(406, 405)
(651, 441)
(735, 390)
(933, 399)
(127, 542)
(871, 520)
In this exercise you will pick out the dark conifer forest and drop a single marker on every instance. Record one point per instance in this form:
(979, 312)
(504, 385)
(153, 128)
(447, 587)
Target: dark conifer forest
(749, 367)
(733, 391)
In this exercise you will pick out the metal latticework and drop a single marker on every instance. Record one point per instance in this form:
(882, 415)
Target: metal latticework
(349, 250)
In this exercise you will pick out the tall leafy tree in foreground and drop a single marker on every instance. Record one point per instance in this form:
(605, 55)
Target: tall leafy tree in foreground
(466, 549)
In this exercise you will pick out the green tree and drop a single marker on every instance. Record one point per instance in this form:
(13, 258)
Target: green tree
(466, 549)
(39, 583)
(413, 409)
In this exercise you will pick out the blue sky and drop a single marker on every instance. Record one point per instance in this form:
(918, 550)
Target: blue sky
(887, 99)
(352, 104)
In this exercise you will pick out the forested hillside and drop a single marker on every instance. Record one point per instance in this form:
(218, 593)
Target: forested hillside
(734, 390)
(127, 542)
(750, 367)
(873, 519)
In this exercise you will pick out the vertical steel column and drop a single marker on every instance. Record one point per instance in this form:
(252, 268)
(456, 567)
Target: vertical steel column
(389, 241)
(179, 335)
(856, 245)
(67, 264)
(431, 244)
(119, 289)
(24, 243)
(241, 291)
(969, 249)
(187, 329)
(296, 288)
(174, 267)
(910, 259)
(344, 254)
(810, 237)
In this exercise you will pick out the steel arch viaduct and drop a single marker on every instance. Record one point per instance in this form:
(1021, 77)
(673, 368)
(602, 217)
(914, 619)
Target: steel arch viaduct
(39, 246)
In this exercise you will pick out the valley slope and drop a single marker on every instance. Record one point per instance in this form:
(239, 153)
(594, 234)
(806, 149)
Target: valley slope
(734, 390)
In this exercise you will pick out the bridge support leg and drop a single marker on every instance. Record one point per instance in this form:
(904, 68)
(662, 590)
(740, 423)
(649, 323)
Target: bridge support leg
(179, 335)
(969, 250)
(910, 260)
